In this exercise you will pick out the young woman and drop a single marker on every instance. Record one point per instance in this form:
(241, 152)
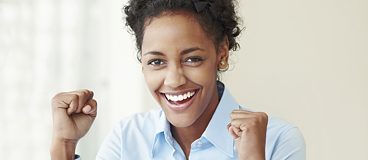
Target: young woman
(183, 45)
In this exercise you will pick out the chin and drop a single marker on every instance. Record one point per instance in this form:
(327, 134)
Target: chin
(179, 121)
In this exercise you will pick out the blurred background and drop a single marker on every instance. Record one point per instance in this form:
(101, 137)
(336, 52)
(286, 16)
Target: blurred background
(305, 61)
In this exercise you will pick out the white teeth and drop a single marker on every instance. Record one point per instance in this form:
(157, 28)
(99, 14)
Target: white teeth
(175, 98)
(179, 97)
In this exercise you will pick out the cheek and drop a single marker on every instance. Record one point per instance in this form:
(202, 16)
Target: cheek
(204, 74)
(153, 80)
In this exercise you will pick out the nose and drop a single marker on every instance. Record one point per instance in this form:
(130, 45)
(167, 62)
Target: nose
(174, 77)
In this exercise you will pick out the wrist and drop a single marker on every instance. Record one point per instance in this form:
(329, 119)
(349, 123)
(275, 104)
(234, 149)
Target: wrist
(63, 149)
(254, 156)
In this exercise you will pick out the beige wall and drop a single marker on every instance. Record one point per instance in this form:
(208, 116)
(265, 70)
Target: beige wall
(307, 62)
(304, 61)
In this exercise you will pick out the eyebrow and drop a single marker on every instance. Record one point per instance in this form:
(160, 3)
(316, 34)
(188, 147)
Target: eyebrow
(186, 51)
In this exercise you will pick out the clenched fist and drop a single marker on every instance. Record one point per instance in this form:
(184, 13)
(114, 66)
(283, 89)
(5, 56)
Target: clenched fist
(249, 131)
(73, 114)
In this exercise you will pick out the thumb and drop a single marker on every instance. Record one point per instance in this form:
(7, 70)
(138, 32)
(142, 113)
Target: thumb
(90, 108)
(87, 109)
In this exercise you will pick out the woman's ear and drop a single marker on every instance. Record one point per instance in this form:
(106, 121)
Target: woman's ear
(223, 51)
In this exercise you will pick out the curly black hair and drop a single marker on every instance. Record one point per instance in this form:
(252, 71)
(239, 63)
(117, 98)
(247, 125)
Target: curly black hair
(217, 17)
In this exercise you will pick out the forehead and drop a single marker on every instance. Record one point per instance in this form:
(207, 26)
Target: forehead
(175, 29)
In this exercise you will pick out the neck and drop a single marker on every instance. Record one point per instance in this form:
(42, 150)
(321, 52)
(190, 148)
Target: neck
(185, 136)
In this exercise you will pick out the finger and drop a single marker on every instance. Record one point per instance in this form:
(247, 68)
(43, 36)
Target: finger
(238, 122)
(62, 100)
(84, 96)
(249, 115)
(232, 132)
(237, 131)
(228, 125)
(73, 105)
(90, 108)
(242, 114)
(241, 111)
(69, 102)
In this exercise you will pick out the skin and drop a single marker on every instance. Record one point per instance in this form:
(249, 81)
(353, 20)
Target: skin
(177, 57)
(73, 114)
(249, 132)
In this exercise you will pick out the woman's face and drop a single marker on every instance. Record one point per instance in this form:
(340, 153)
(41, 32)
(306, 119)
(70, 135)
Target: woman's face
(179, 63)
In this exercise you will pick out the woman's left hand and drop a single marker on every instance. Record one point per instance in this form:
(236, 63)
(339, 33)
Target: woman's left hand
(249, 131)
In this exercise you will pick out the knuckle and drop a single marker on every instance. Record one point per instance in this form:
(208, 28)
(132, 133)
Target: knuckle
(85, 93)
(57, 98)
(252, 123)
(82, 93)
(245, 127)
(262, 115)
(235, 111)
(232, 115)
(261, 118)
(94, 102)
(74, 97)
(233, 122)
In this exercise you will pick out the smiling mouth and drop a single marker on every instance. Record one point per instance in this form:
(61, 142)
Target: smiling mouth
(181, 98)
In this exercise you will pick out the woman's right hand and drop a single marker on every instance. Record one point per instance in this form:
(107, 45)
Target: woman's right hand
(73, 114)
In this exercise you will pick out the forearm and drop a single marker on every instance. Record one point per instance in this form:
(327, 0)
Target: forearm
(63, 150)
(253, 155)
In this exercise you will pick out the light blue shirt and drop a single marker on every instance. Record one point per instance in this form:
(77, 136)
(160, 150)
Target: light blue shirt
(147, 136)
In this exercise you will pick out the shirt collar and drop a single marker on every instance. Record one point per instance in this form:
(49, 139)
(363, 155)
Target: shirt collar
(162, 131)
(163, 124)
(216, 131)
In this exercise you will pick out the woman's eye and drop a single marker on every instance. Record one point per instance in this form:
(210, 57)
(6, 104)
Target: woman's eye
(194, 60)
(155, 62)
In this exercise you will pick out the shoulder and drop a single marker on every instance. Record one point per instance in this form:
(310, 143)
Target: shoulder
(280, 131)
(137, 126)
(145, 120)
(278, 125)
(129, 134)
(284, 140)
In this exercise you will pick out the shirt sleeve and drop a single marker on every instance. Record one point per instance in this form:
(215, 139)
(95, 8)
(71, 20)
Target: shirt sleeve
(290, 146)
(111, 147)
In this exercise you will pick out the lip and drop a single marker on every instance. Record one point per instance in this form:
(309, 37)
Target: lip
(182, 106)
